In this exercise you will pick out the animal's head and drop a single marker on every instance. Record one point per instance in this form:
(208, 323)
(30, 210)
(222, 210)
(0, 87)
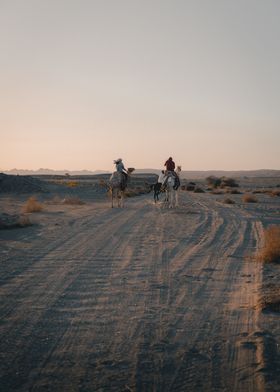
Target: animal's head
(130, 170)
(179, 168)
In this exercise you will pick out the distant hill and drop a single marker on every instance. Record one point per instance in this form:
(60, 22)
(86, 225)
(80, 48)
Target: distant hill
(42, 171)
(189, 174)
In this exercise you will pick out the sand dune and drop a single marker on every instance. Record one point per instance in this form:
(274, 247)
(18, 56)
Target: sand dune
(138, 299)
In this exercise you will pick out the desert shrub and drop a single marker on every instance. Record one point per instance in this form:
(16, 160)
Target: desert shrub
(72, 201)
(228, 182)
(271, 304)
(228, 201)
(32, 205)
(8, 221)
(213, 181)
(217, 192)
(248, 198)
(275, 192)
(130, 193)
(72, 184)
(271, 251)
(198, 190)
(222, 182)
(233, 191)
(24, 221)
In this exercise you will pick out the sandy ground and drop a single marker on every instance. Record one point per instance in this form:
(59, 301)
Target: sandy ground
(142, 298)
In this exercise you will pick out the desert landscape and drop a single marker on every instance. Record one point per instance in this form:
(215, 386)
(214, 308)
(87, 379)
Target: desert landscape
(140, 298)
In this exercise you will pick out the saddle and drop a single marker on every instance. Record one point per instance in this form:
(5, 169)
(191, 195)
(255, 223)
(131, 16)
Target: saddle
(123, 181)
(171, 174)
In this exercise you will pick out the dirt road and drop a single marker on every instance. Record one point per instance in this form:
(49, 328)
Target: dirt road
(135, 299)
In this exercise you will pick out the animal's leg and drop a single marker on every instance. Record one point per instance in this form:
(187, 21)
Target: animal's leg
(176, 199)
(172, 198)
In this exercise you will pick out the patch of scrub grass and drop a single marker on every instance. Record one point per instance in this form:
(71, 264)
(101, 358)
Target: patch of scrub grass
(32, 205)
(249, 198)
(270, 253)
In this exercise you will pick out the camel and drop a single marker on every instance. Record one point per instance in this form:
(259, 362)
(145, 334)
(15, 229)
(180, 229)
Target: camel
(117, 188)
(171, 193)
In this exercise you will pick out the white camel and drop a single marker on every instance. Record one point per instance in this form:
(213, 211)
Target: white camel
(171, 198)
(117, 187)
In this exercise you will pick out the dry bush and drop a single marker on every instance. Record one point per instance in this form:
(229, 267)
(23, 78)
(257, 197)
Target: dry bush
(8, 221)
(228, 182)
(130, 193)
(259, 191)
(72, 201)
(217, 192)
(213, 181)
(72, 184)
(222, 182)
(228, 201)
(233, 191)
(275, 192)
(270, 253)
(248, 198)
(271, 303)
(32, 205)
(24, 221)
(198, 190)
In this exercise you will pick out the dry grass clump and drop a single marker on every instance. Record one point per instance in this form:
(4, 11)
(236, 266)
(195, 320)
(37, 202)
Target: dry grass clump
(233, 191)
(271, 304)
(217, 192)
(72, 184)
(198, 190)
(24, 221)
(275, 192)
(229, 201)
(130, 193)
(222, 182)
(248, 198)
(8, 221)
(32, 205)
(72, 201)
(270, 253)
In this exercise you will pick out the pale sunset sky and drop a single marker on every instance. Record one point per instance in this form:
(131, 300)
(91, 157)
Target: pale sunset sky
(84, 82)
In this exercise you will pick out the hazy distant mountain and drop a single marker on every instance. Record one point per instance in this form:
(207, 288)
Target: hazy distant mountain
(219, 173)
(185, 173)
(42, 171)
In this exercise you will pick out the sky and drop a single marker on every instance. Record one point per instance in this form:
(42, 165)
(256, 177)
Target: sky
(84, 82)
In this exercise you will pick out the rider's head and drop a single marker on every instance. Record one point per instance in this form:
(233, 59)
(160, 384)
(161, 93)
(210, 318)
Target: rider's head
(119, 160)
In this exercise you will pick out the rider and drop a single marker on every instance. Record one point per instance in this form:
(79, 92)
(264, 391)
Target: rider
(161, 177)
(170, 165)
(121, 169)
(170, 170)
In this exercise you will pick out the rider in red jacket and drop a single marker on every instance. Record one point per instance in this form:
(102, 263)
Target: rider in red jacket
(170, 165)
